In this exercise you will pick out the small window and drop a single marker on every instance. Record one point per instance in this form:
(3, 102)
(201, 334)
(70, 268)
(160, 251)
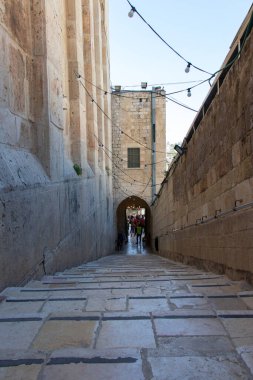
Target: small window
(133, 155)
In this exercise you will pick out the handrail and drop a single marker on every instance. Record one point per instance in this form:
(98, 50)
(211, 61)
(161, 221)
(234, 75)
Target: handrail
(218, 214)
(28, 276)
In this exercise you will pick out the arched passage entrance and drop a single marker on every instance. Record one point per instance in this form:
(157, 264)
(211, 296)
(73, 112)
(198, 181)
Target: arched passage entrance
(133, 203)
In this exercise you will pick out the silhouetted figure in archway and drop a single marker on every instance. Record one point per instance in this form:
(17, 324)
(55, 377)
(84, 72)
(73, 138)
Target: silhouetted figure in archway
(138, 232)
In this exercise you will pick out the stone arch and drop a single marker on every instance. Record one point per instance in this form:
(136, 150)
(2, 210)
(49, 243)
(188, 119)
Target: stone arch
(135, 202)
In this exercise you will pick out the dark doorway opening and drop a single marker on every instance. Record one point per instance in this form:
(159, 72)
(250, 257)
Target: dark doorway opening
(135, 207)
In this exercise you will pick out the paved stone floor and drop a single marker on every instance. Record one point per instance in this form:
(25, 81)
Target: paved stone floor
(131, 315)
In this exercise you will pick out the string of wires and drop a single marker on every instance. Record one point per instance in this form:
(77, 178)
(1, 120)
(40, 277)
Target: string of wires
(121, 170)
(129, 96)
(126, 191)
(189, 64)
(122, 159)
(198, 82)
(114, 125)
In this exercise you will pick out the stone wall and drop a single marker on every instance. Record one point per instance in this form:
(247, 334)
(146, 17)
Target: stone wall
(52, 218)
(131, 113)
(204, 214)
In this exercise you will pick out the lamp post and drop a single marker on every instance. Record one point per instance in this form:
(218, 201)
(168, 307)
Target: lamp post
(153, 140)
(156, 91)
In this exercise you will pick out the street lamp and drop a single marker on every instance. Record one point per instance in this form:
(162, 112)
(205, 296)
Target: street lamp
(180, 150)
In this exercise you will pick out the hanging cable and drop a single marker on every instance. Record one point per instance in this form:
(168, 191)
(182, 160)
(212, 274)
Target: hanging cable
(163, 84)
(131, 194)
(135, 180)
(107, 92)
(143, 183)
(123, 132)
(200, 82)
(189, 64)
(126, 161)
(180, 104)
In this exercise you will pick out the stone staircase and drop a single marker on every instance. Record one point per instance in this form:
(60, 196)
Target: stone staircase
(127, 317)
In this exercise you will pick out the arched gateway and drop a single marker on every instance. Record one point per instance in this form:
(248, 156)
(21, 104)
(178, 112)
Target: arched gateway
(133, 205)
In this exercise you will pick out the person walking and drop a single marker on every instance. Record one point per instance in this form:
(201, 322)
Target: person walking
(138, 233)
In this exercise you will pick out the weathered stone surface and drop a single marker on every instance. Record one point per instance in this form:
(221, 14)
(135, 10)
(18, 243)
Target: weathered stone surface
(133, 333)
(51, 217)
(142, 305)
(191, 326)
(22, 372)
(197, 217)
(215, 368)
(131, 113)
(94, 372)
(129, 334)
(191, 346)
(18, 335)
(57, 334)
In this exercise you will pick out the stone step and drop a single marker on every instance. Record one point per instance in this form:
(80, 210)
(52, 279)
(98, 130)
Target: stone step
(136, 321)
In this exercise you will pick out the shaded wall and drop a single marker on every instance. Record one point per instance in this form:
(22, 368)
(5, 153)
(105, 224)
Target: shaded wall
(204, 213)
(51, 217)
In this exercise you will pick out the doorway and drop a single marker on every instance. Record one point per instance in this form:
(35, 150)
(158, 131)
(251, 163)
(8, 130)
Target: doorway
(135, 207)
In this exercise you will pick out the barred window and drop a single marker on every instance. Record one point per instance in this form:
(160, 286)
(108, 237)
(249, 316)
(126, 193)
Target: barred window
(133, 155)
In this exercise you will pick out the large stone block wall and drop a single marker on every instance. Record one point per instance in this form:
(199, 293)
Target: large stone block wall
(51, 218)
(131, 113)
(204, 213)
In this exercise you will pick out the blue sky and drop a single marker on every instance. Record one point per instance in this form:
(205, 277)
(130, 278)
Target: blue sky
(200, 30)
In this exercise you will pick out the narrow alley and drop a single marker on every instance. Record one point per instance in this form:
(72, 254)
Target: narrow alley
(127, 316)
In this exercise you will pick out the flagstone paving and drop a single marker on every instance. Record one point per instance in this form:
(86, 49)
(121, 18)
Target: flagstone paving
(124, 317)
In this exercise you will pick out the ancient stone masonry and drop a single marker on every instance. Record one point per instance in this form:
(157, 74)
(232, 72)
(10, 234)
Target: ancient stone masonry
(53, 54)
(132, 115)
(204, 213)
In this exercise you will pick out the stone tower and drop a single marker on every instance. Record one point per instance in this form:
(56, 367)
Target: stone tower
(139, 145)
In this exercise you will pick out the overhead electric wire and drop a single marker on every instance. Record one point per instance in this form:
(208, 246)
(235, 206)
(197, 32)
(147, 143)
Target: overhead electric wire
(134, 97)
(138, 191)
(123, 132)
(138, 85)
(200, 82)
(118, 179)
(135, 180)
(163, 84)
(249, 25)
(106, 92)
(143, 183)
(180, 104)
(122, 159)
(163, 40)
(132, 194)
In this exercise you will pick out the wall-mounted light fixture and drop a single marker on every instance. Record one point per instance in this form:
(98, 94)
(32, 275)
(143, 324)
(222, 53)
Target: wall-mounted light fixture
(217, 212)
(65, 103)
(237, 203)
(180, 150)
